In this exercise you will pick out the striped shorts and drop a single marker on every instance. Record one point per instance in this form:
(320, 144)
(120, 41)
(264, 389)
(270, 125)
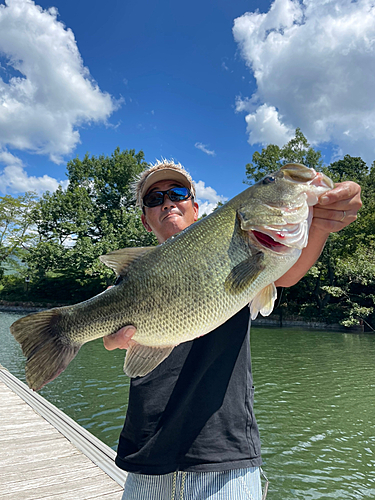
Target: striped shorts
(236, 484)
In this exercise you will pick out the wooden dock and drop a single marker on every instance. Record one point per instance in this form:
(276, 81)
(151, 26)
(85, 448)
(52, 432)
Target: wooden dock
(44, 454)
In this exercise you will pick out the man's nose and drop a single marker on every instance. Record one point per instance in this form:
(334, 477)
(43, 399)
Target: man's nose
(167, 202)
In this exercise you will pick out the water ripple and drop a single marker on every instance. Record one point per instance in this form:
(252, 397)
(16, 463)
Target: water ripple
(314, 403)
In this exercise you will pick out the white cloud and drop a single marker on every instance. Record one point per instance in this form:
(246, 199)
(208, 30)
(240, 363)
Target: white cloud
(207, 198)
(314, 65)
(204, 148)
(48, 93)
(264, 126)
(245, 104)
(14, 178)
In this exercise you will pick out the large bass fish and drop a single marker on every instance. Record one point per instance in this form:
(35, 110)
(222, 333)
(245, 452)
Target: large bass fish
(187, 286)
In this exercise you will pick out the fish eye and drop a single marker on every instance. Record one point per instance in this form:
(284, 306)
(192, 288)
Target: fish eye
(269, 179)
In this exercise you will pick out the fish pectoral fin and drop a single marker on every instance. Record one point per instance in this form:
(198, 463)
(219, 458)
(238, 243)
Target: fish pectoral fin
(244, 273)
(263, 301)
(142, 359)
(119, 260)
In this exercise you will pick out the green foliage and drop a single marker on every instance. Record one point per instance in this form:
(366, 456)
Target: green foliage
(12, 287)
(340, 287)
(267, 161)
(362, 232)
(16, 227)
(96, 214)
(272, 158)
(97, 204)
(347, 169)
(60, 236)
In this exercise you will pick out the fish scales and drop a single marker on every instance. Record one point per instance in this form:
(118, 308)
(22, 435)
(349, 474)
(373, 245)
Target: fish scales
(187, 286)
(199, 300)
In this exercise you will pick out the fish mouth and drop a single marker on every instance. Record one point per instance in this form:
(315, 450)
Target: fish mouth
(282, 239)
(268, 242)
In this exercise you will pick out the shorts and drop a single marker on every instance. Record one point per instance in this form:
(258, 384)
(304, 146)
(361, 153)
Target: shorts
(235, 484)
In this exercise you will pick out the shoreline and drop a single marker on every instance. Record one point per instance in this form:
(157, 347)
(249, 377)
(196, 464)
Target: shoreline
(17, 306)
(272, 321)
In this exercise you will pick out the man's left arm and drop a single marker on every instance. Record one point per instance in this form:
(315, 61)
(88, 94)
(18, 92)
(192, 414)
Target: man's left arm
(336, 209)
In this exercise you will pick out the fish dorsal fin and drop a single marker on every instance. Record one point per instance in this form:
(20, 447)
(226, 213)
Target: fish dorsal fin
(263, 301)
(141, 359)
(119, 260)
(242, 275)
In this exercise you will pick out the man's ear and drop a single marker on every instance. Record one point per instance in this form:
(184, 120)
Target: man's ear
(196, 211)
(145, 223)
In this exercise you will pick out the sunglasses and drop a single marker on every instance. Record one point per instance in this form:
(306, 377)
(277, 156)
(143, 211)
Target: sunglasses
(156, 198)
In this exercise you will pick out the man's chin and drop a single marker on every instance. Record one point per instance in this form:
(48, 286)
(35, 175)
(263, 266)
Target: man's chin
(173, 225)
(171, 216)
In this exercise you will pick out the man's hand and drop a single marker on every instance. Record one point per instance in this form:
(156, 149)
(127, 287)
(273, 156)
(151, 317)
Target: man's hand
(121, 339)
(336, 209)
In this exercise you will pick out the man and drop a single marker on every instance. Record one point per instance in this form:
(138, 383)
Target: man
(190, 431)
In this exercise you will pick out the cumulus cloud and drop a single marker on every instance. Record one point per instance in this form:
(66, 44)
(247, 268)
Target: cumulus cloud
(46, 92)
(207, 198)
(15, 179)
(265, 126)
(314, 65)
(204, 148)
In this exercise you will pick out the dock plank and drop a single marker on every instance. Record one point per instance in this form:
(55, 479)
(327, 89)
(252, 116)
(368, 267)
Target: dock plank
(38, 462)
(85, 480)
(44, 468)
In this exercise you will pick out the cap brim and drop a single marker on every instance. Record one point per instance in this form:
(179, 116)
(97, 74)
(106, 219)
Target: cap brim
(163, 175)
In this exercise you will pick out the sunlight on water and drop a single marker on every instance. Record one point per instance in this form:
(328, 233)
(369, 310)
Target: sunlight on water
(315, 405)
(314, 402)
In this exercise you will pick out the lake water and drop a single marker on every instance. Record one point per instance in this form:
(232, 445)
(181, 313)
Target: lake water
(314, 402)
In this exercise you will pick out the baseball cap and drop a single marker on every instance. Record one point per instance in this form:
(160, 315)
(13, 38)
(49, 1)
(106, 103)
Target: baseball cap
(161, 171)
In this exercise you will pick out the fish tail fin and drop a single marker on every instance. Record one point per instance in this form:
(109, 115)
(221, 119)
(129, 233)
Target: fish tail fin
(47, 349)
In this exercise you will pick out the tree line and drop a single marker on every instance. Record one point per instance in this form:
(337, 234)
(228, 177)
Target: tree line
(49, 246)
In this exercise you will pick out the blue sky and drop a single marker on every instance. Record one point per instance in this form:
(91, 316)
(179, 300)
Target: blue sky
(205, 83)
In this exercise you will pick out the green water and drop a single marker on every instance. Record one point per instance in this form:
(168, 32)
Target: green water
(314, 402)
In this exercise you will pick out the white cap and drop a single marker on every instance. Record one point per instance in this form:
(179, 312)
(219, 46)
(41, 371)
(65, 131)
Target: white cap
(162, 171)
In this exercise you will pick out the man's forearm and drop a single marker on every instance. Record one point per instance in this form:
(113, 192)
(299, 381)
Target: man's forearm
(336, 209)
(309, 256)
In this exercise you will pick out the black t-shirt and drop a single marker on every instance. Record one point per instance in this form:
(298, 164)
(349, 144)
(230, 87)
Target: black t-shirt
(194, 412)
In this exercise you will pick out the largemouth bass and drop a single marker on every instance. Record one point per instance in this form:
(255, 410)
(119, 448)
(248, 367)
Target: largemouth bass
(187, 286)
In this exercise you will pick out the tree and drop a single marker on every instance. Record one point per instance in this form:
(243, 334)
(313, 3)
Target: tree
(16, 226)
(347, 169)
(272, 157)
(340, 287)
(93, 216)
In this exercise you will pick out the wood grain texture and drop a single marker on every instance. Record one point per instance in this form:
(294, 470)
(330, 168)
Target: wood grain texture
(38, 462)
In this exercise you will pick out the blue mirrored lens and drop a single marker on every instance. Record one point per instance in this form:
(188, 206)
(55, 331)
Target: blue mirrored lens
(174, 194)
